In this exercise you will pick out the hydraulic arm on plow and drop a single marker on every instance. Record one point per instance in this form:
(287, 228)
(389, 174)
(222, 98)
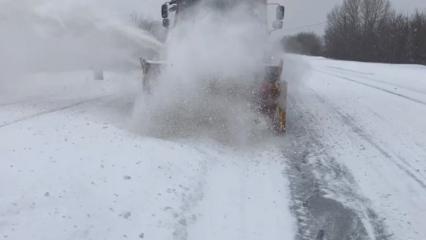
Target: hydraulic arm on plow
(272, 92)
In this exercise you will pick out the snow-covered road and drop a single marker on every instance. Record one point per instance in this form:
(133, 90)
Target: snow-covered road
(351, 167)
(368, 119)
(71, 168)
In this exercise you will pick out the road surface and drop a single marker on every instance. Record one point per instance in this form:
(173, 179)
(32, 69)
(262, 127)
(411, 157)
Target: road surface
(351, 167)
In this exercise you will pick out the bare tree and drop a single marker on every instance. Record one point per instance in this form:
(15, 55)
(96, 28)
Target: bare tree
(370, 30)
(342, 37)
(375, 15)
(304, 43)
(418, 37)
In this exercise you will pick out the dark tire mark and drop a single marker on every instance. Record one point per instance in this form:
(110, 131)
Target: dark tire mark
(49, 111)
(340, 69)
(314, 177)
(349, 121)
(337, 221)
(14, 103)
(372, 86)
(383, 82)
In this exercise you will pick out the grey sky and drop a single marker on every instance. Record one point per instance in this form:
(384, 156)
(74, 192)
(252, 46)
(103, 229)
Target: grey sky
(313, 12)
(301, 15)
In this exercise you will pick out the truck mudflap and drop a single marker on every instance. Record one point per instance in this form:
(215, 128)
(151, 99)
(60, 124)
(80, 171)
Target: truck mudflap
(280, 121)
(282, 110)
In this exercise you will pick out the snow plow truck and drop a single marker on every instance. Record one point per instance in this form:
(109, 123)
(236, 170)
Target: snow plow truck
(271, 92)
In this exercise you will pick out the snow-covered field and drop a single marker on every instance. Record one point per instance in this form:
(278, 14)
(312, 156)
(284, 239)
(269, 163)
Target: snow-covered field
(72, 167)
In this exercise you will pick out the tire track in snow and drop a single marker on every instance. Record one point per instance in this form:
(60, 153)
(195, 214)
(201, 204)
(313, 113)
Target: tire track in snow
(8, 104)
(245, 197)
(317, 180)
(32, 100)
(372, 86)
(340, 69)
(363, 76)
(49, 111)
(349, 121)
(185, 215)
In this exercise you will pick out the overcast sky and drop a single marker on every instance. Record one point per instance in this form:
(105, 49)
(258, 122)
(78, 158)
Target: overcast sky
(301, 13)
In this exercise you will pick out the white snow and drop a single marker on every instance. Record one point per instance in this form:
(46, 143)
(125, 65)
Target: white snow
(71, 168)
(372, 119)
(72, 165)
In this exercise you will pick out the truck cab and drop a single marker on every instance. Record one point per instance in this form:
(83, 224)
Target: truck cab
(182, 9)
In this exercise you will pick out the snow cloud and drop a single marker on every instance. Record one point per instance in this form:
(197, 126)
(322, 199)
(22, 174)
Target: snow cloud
(213, 66)
(39, 35)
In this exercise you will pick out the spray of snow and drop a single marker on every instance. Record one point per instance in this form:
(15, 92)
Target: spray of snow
(214, 65)
(68, 35)
(297, 73)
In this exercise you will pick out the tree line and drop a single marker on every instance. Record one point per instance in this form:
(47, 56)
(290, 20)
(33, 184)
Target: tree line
(366, 30)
